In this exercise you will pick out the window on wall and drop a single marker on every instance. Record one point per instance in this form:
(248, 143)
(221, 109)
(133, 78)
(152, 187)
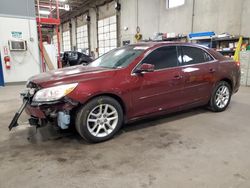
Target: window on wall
(107, 34)
(82, 38)
(66, 41)
(175, 3)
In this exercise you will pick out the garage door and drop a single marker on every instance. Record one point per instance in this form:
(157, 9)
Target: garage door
(54, 41)
(82, 38)
(66, 41)
(107, 34)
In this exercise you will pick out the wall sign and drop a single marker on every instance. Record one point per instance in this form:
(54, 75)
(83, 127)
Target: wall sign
(16, 34)
(5, 50)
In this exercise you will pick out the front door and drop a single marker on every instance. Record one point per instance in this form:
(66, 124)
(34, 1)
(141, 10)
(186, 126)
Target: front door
(159, 90)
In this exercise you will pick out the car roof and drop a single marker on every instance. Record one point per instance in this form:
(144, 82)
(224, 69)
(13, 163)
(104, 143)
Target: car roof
(161, 43)
(155, 44)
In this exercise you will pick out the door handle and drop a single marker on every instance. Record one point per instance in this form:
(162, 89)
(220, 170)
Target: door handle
(211, 70)
(177, 77)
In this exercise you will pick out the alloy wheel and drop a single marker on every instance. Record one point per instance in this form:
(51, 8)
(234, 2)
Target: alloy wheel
(102, 120)
(222, 96)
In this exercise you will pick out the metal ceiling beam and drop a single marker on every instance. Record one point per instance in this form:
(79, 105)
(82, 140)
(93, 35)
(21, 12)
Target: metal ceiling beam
(65, 16)
(83, 8)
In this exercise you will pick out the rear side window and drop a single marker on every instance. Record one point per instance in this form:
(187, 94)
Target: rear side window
(163, 57)
(193, 55)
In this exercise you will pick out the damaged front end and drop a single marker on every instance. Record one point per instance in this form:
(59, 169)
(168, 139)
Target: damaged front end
(26, 99)
(38, 105)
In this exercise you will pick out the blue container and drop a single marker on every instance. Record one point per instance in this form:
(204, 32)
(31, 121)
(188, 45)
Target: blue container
(201, 34)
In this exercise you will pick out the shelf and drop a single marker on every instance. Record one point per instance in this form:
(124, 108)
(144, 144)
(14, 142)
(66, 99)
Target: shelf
(49, 21)
(229, 39)
(226, 51)
(174, 38)
(201, 38)
(216, 39)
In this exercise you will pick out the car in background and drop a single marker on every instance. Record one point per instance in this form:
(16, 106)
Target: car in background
(72, 58)
(129, 83)
(61, 56)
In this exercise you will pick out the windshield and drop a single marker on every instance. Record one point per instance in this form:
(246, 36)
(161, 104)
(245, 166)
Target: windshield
(118, 58)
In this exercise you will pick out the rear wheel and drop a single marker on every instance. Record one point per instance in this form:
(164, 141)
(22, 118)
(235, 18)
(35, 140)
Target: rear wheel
(99, 119)
(221, 97)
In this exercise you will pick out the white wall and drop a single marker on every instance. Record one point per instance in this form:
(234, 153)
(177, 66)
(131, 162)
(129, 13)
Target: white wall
(73, 33)
(107, 10)
(220, 16)
(93, 31)
(153, 16)
(23, 64)
(128, 19)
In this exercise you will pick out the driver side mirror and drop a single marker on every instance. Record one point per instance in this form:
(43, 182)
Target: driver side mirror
(145, 68)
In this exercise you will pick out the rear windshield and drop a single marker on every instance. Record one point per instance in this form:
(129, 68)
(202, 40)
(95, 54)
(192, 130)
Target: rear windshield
(119, 57)
(70, 55)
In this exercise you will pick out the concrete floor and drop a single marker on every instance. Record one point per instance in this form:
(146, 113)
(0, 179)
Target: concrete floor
(196, 148)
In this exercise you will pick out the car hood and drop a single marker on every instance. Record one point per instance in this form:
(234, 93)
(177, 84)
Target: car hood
(70, 75)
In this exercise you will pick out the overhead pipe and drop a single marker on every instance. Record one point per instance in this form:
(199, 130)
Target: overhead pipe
(59, 63)
(192, 24)
(41, 39)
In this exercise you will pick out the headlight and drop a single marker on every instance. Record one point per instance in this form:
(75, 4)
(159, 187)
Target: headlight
(53, 93)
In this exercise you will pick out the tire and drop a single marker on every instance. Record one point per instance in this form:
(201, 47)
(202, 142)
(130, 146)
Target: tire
(221, 97)
(84, 63)
(99, 119)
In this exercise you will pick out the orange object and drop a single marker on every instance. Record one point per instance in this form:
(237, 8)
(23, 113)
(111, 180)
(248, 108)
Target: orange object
(237, 63)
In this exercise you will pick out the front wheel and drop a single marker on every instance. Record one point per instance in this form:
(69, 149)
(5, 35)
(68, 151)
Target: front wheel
(99, 119)
(221, 97)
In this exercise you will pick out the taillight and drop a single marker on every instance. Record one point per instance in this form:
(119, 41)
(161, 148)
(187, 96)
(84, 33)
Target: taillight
(237, 63)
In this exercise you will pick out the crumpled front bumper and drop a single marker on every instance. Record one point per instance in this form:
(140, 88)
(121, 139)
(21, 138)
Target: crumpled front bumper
(34, 111)
(26, 99)
(41, 111)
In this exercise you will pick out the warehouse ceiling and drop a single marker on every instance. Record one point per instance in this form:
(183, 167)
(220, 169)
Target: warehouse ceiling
(76, 7)
(73, 4)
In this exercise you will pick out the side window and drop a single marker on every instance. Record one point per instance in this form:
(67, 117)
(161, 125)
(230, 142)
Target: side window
(164, 57)
(193, 55)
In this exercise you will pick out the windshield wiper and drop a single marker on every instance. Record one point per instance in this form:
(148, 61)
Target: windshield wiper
(107, 67)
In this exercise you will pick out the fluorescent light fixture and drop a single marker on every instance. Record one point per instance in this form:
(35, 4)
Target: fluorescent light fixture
(44, 12)
(62, 0)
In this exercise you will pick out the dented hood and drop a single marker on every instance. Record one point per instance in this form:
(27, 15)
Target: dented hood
(72, 74)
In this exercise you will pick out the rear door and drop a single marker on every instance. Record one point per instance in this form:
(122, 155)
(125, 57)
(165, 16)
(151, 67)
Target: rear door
(161, 89)
(199, 69)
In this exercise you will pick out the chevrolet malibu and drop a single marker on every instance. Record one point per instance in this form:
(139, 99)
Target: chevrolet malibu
(130, 83)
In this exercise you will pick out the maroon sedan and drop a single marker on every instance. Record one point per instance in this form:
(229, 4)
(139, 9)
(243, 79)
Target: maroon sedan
(130, 83)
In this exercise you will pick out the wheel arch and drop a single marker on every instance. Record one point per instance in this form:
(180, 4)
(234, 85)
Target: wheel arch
(112, 95)
(229, 81)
